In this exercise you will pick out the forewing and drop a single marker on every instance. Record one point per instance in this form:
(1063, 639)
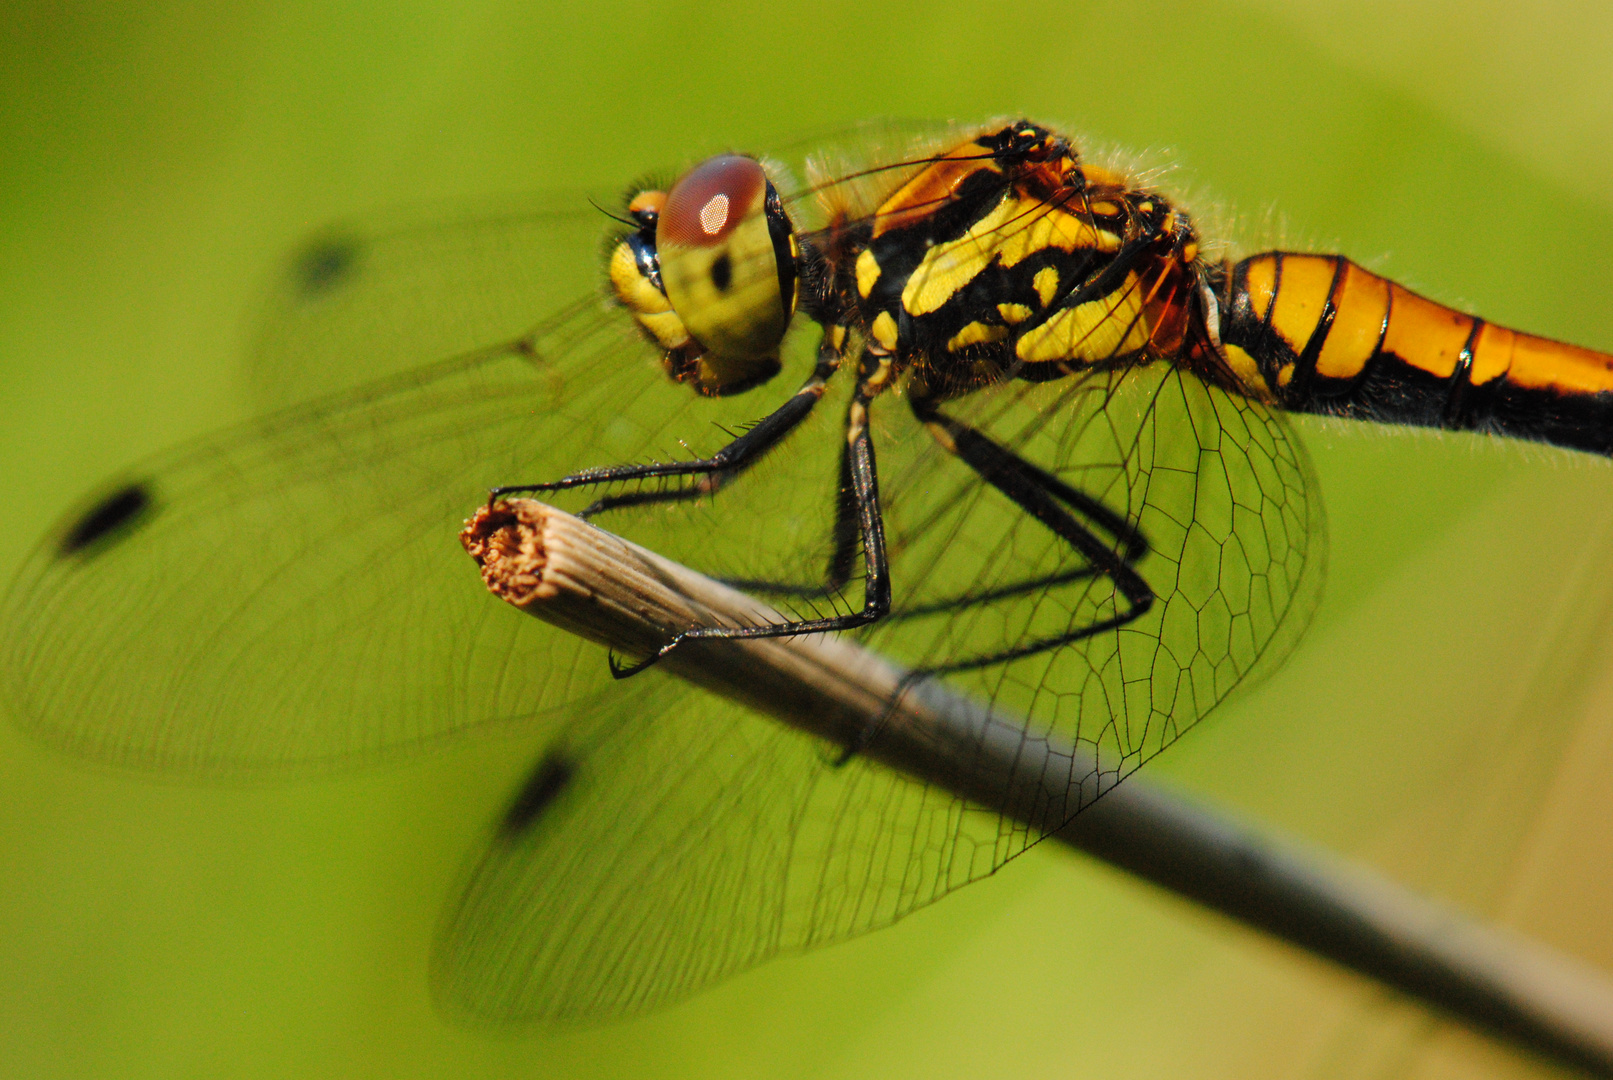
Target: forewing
(365, 299)
(295, 595)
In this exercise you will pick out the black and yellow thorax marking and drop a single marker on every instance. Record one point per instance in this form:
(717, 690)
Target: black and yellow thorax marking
(1009, 256)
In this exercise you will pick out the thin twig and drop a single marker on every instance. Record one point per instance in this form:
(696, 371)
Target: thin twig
(569, 573)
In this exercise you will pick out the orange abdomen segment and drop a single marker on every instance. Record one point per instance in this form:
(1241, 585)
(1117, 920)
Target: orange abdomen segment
(1324, 335)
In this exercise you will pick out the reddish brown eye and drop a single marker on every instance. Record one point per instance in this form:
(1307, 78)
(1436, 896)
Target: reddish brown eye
(727, 255)
(711, 200)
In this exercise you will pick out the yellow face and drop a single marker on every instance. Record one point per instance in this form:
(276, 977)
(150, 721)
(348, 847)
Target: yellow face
(716, 283)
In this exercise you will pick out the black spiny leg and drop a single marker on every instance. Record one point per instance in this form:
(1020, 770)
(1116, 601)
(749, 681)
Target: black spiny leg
(873, 376)
(1039, 493)
(715, 471)
(1049, 500)
(1128, 539)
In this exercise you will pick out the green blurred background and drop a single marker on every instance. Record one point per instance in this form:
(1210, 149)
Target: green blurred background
(1446, 719)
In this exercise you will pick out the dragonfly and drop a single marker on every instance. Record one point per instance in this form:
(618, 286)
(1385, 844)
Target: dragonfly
(1035, 448)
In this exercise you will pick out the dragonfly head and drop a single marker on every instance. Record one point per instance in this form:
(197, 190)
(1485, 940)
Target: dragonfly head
(710, 274)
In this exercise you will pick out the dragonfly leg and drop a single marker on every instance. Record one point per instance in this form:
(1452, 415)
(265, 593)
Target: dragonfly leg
(1125, 535)
(1127, 539)
(1049, 500)
(874, 375)
(1039, 494)
(714, 472)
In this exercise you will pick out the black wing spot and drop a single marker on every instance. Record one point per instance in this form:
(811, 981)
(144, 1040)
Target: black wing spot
(114, 515)
(324, 265)
(541, 789)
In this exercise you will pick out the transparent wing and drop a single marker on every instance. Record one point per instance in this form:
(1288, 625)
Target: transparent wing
(362, 300)
(692, 840)
(1214, 483)
(688, 842)
(291, 593)
(292, 596)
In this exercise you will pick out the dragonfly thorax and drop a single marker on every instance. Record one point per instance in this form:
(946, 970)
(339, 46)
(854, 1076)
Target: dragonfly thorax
(710, 274)
(1010, 257)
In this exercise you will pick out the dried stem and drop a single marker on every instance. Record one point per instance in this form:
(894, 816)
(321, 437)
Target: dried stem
(569, 573)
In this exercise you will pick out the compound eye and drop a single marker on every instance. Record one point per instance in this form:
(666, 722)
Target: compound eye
(728, 263)
(712, 199)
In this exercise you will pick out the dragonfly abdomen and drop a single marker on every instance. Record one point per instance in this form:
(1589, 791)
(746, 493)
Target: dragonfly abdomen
(1323, 335)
